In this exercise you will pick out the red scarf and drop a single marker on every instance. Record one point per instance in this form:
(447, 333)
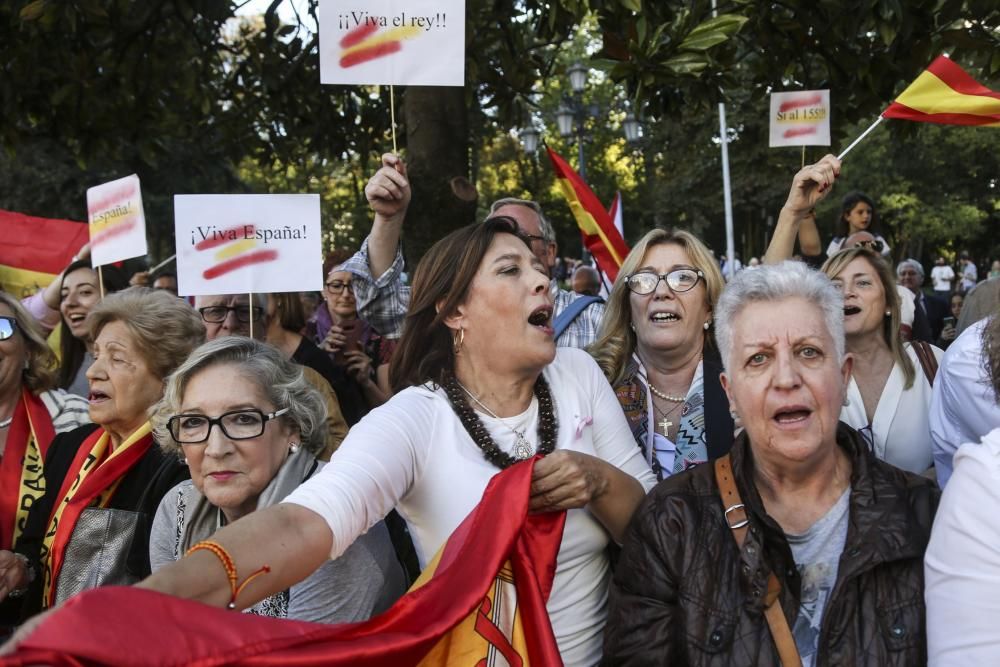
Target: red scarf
(22, 478)
(90, 481)
(445, 620)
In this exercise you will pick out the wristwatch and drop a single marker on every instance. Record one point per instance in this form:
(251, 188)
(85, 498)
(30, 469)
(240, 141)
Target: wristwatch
(30, 570)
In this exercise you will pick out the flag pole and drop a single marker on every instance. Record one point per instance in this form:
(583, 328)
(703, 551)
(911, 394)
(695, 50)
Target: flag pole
(250, 295)
(162, 264)
(727, 196)
(858, 140)
(100, 279)
(392, 112)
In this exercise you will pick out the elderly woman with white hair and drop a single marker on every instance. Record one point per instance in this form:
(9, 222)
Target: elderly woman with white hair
(799, 545)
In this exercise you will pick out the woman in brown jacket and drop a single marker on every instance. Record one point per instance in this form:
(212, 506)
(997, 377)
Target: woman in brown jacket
(799, 547)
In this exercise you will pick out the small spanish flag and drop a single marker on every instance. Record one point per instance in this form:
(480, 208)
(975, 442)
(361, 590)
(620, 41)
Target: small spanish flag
(945, 93)
(480, 602)
(600, 236)
(34, 250)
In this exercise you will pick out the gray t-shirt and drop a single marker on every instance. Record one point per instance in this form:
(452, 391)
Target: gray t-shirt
(817, 555)
(365, 581)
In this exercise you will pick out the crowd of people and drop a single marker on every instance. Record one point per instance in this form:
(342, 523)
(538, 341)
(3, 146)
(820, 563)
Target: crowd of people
(750, 460)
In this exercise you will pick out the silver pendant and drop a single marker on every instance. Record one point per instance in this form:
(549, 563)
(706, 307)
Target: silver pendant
(522, 448)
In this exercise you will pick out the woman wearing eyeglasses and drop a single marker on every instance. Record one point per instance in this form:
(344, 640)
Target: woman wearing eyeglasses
(350, 341)
(657, 350)
(249, 426)
(32, 412)
(103, 482)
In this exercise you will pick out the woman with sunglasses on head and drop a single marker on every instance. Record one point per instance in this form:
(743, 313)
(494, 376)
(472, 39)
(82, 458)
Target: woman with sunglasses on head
(32, 412)
(657, 350)
(857, 214)
(249, 426)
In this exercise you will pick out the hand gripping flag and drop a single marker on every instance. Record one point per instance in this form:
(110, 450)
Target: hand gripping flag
(945, 93)
(479, 602)
(596, 226)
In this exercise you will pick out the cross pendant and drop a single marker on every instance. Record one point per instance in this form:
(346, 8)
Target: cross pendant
(665, 424)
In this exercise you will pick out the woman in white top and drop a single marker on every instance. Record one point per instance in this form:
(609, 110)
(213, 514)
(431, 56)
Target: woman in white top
(478, 346)
(889, 396)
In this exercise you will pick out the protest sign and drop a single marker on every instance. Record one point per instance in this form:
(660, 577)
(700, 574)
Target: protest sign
(392, 42)
(117, 221)
(234, 244)
(800, 119)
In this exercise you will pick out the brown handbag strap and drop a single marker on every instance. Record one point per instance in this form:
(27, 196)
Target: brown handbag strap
(736, 518)
(927, 359)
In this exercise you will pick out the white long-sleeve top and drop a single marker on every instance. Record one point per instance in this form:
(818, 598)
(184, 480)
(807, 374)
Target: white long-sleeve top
(414, 454)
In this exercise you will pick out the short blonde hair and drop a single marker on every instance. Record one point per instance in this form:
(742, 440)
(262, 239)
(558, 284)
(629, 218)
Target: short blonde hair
(616, 340)
(166, 328)
(890, 326)
(40, 375)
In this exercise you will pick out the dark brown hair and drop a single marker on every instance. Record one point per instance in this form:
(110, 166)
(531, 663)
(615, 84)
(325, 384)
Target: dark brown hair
(72, 350)
(440, 285)
(289, 311)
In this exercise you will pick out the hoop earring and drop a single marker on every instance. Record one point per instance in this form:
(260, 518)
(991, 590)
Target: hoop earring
(457, 341)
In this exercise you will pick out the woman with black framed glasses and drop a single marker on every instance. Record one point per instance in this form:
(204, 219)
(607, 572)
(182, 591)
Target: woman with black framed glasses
(220, 413)
(657, 350)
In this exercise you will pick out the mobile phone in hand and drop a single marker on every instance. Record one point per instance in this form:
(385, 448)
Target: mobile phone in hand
(351, 330)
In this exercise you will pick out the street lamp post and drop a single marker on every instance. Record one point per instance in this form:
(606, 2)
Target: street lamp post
(571, 117)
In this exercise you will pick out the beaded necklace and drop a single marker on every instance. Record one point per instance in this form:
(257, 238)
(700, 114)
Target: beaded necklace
(548, 427)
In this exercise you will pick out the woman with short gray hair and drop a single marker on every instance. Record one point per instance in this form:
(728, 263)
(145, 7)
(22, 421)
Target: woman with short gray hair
(249, 426)
(799, 545)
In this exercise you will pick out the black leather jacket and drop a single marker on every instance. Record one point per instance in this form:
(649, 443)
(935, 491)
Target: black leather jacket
(684, 594)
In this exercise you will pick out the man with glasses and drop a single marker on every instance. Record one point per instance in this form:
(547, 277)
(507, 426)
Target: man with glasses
(382, 297)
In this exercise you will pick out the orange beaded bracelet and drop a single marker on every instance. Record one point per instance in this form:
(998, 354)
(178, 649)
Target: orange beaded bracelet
(228, 565)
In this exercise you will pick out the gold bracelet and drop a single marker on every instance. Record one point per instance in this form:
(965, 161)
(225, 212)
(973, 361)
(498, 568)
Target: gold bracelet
(230, 568)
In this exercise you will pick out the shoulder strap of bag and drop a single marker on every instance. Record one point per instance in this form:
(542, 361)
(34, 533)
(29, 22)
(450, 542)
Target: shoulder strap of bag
(927, 359)
(736, 518)
(571, 312)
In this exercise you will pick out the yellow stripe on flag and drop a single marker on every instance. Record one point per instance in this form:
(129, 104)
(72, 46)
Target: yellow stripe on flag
(23, 282)
(234, 249)
(396, 34)
(929, 94)
(585, 220)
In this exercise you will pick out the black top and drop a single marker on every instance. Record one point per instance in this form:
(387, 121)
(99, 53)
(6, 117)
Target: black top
(140, 490)
(348, 391)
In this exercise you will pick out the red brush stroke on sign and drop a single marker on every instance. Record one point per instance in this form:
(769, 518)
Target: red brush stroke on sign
(126, 191)
(109, 233)
(799, 132)
(357, 35)
(257, 257)
(371, 53)
(221, 238)
(811, 101)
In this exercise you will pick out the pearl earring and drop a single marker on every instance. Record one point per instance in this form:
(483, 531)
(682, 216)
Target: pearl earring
(632, 324)
(293, 447)
(888, 313)
(184, 460)
(705, 326)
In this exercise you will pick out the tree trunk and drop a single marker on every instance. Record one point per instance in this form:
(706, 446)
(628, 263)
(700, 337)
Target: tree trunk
(437, 142)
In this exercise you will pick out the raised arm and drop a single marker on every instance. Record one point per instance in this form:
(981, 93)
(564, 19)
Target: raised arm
(809, 187)
(388, 194)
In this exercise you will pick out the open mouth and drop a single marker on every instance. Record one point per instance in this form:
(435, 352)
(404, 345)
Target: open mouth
(664, 317)
(76, 318)
(98, 396)
(851, 310)
(540, 317)
(792, 415)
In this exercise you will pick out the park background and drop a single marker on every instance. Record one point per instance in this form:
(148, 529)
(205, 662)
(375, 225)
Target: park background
(213, 96)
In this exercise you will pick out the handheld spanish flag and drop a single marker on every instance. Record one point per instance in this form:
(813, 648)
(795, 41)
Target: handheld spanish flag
(34, 250)
(596, 225)
(481, 601)
(945, 94)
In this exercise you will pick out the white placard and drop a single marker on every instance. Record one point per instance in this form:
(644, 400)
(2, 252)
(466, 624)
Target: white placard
(234, 244)
(392, 42)
(117, 221)
(801, 118)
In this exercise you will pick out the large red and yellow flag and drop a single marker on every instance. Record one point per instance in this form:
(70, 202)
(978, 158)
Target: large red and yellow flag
(34, 250)
(479, 603)
(600, 236)
(945, 93)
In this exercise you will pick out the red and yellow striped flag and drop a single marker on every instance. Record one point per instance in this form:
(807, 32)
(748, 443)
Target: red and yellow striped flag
(480, 602)
(945, 93)
(600, 236)
(34, 250)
